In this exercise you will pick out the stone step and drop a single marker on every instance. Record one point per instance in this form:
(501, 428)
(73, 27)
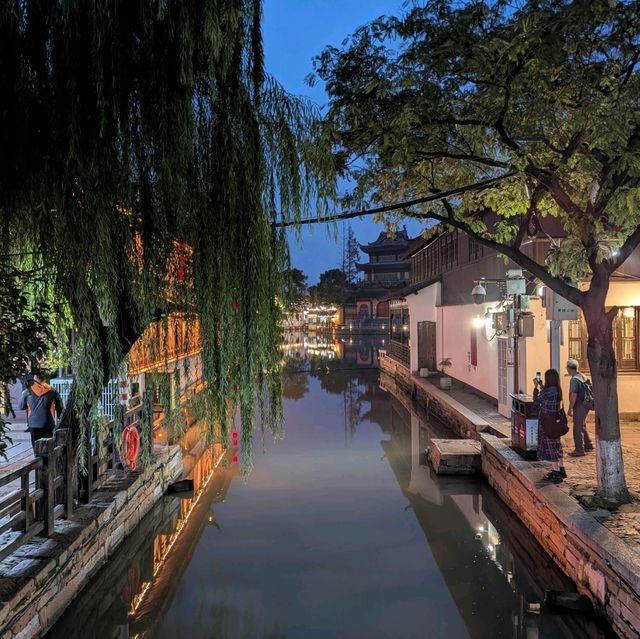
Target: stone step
(454, 456)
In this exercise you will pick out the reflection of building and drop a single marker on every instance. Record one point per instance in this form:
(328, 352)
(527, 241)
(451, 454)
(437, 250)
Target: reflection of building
(138, 584)
(322, 317)
(496, 580)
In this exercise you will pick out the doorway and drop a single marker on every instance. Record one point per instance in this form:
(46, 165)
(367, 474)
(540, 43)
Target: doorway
(427, 345)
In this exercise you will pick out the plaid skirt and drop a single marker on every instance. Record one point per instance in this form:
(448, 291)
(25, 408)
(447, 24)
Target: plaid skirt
(548, 449)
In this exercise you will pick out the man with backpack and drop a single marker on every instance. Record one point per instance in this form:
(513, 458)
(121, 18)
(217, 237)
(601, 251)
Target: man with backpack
(580, 403)
(42, 404)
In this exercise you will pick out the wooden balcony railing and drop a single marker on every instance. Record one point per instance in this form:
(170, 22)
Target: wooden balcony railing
(399, 352)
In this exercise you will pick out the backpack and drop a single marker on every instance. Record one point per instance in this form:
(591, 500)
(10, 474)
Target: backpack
(587, 394)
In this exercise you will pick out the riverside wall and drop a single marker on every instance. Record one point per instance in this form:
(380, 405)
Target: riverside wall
(601, 565)
(435, 402)
(39, 580)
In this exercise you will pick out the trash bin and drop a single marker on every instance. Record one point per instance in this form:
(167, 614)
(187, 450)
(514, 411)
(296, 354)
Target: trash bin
(524, 426)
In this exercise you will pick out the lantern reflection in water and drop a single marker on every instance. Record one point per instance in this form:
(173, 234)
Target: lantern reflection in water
(204, 471)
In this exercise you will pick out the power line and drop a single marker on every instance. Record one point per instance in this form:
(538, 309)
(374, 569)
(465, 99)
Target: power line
(346, 215)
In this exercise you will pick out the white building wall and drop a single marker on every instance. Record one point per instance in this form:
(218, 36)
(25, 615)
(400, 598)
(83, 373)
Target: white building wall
(454, 326)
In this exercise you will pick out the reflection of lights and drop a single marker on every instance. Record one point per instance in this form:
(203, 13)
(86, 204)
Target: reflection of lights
(176, 535)
(629, 312)
(405, 327)
(490, 548)
(480, 528)
(210, 518)
(478, 321)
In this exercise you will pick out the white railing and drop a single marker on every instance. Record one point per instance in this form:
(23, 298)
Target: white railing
(109, 394)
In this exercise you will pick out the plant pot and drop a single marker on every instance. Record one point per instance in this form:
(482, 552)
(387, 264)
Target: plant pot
(445, 383)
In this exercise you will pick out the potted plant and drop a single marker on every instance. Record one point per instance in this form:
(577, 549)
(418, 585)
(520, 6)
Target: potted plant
(445, 380)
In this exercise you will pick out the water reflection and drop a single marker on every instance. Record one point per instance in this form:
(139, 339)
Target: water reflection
(340, 531)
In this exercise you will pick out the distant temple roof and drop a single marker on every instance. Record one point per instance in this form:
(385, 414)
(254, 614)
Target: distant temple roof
(384, 243)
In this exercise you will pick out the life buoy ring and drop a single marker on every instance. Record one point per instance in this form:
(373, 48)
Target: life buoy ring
(130, 446)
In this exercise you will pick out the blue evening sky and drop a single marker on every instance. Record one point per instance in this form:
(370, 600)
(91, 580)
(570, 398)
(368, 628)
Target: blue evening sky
(294, 32)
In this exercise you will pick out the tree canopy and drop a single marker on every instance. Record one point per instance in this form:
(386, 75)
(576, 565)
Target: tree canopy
(522, 110)
(133, 133)
(331, 287)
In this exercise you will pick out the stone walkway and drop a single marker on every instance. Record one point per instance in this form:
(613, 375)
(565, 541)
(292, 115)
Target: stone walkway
(581, 484)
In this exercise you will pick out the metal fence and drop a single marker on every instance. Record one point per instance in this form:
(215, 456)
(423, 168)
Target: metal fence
(109, 394)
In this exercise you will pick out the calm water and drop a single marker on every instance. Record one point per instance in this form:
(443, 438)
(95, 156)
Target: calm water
(339, 531)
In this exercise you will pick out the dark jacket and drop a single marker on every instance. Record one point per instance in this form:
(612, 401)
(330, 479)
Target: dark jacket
(42, 403)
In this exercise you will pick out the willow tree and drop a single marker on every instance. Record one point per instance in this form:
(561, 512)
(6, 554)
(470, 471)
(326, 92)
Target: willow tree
(130, 130)
(522, 110)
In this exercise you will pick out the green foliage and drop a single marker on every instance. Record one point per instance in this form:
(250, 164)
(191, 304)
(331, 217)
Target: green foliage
(295, 288)
(538, 97)
(331, 288)
(130, 130)
(541, 95)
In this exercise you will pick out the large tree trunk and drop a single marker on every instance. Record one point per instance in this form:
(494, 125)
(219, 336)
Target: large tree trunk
(602, 366)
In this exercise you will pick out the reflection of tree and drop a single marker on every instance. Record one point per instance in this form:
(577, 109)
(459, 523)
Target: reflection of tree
(352, 407)
(295, 385)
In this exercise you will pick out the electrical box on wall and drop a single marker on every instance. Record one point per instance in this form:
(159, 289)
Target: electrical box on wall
(500, 321)
(516, 286)
(559, 308)
(526, 325)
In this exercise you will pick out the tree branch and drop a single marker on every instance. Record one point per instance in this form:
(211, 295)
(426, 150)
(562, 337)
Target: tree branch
(630, 244)
(447, 155)
(537, 270)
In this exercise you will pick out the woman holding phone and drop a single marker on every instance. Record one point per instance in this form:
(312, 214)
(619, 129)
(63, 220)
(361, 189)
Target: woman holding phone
(548, 396)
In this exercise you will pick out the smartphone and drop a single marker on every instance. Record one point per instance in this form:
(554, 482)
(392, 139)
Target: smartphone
(539, 375)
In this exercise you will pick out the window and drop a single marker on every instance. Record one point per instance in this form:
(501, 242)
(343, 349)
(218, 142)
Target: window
(626, 334)
(475, 250)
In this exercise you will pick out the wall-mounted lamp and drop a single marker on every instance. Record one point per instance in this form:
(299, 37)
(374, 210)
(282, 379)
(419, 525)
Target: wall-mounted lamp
(629, 312)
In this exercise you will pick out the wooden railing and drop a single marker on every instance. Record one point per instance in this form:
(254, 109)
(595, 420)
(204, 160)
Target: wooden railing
(399, 352)
(43, 495)
(44, 489)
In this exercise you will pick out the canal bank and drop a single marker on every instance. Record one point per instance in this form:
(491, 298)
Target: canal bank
(340, 531)
(599, 563)
(41, 578)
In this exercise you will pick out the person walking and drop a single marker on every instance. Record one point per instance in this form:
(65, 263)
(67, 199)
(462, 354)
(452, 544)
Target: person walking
(42, 404)
(548, 396)
(578, 410)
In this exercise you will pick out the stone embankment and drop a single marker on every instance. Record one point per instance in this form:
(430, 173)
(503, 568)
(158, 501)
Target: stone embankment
(439, 403)
(601, 564)
(38, 581)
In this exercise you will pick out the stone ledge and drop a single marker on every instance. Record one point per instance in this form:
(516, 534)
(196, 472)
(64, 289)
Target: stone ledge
(601, 564)
(454, 456)
(39, 580)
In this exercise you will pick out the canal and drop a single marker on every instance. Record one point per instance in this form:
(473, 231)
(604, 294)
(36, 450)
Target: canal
(340, 530)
